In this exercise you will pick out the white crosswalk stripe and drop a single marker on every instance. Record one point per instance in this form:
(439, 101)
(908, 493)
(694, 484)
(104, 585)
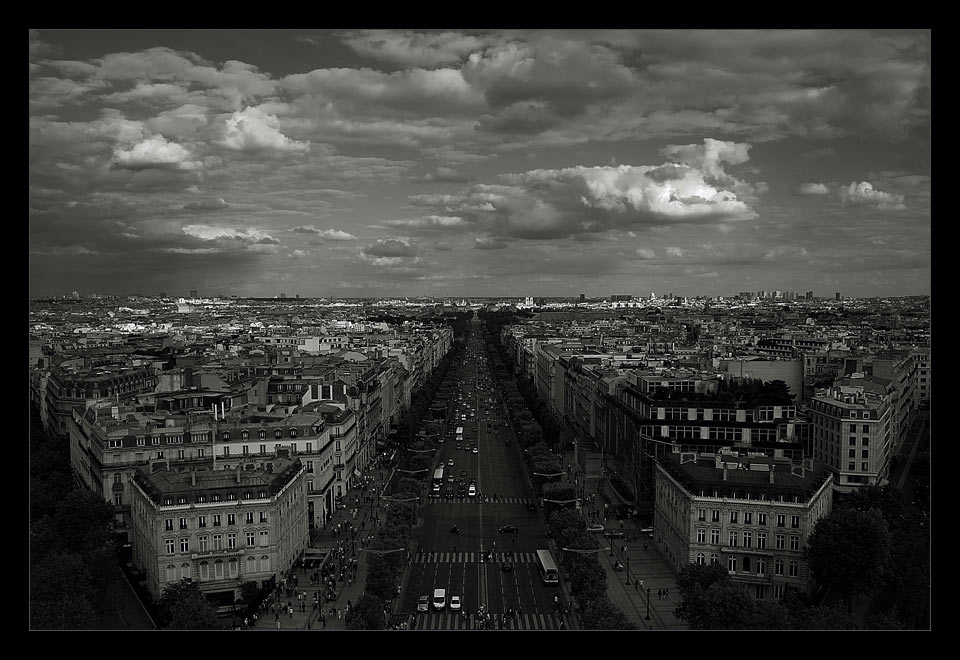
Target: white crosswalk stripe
(456, 621)
(470, 558)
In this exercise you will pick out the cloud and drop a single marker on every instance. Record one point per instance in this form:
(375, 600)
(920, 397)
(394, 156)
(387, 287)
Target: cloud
(826, 152)
(863, 193)
(336, 235)
(252, 130)
(154, 152)
(413, 48)
(489, 244)
(812, 189)
(206, 205)
(446, 175)
(428, 222)
(645, 253)
(390, 248)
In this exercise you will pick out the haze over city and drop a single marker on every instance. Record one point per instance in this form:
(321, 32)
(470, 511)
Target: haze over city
(479, 163)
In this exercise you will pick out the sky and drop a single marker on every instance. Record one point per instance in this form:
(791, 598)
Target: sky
(466, 163)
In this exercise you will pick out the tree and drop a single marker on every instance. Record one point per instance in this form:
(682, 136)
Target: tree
(184, 607)
(366, 614)
(60, 593)
(850, 550)
(724, 605)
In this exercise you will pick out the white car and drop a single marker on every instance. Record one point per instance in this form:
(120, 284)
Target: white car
(455, 603)
(476, 451)
(472, 491)
(595, 528)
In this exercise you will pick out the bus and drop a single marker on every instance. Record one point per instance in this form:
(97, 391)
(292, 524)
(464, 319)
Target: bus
(437, 479)
(548, 568)
(459, 433)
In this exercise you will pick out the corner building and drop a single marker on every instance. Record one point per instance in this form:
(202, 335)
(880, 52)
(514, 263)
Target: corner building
(221, 528)
(751, 514)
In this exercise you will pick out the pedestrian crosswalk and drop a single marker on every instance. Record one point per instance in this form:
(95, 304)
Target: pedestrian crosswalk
(479, 500)
(456, 621)
(423, 557)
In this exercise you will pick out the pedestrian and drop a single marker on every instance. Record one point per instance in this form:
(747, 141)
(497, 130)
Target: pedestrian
(339, 613)
(666, 593)
(278, 623)
(659, 594)
(323, 620)
(641, 583)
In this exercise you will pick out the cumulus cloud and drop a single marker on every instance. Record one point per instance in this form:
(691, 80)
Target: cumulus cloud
(863, 193)
(206, 205)
(252, 130)
(413, 48)
(445, 175)
(390, 248)
(645, 253)
(154, 152)
(489, 244)
(428, 222)
(813, 189)
(329, 234)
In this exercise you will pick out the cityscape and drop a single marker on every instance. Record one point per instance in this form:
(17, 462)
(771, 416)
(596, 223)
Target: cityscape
(395, 330)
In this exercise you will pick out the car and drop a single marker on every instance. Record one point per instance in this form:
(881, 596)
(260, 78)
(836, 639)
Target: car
(613, 534)
(472, 491)
(506, 565)
(647, 530)
(463, 473)
(505, 529)
(595, 528)
(455, 603)
(450, 478)
(448, 494)
(459, 446)
(423, 604)
(476, 451)
(450, 463)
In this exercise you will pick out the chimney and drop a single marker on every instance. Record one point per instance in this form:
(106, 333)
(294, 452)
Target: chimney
(771, 473)
(223, 412)
(239, 473)
(214, 411)
(193, 477)
(724, 471)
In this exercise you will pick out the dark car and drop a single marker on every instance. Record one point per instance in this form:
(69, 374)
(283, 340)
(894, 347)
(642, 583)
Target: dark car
(507, 565)
(505, 529)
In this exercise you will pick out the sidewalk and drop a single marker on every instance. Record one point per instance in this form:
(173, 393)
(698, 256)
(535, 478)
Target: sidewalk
(352, 546)
(640, 564)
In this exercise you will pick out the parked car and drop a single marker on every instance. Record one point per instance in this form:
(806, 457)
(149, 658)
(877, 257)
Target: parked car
(423, 604)
(595, 528)
(455, 603)
(505, 529)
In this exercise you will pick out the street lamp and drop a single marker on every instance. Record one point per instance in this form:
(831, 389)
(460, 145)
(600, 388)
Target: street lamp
(648, 604)
(627, 557)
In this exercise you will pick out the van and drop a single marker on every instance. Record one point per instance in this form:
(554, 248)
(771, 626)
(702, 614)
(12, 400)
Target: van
(439, 599)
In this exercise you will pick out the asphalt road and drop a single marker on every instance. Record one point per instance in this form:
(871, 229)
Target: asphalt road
(462, 562)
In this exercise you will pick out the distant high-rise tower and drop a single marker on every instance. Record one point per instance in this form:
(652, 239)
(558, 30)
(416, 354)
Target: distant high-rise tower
(298, 296)
(193, 293)
(809, 295)
(838, 295)
(582, 297)
(75, 295)
(163, 294)
(283, 295)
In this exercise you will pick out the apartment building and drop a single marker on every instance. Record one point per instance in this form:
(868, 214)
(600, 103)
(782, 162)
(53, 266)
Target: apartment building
(219, 527)
(752, 514)
(851, 435)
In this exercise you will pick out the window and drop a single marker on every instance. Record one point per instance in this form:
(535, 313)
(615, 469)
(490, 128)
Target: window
(781, 541)
(309, 447)
(251, 539)
(748, 539)
(794, 569)
(201, 452)
(852, 453)
(852, 441)
(747, 518)
(249, 519)
(778, 567)
(155, 440)
(781, 520)
(293, 433)
(732, 539)
(700, 559)
(715, 536)
(141, 441)
(865, 428)
(866, 442)
(185, 544)
(263, 449)
(277, 447)
(761, 566)
(168, 525)
(701, 536)
(853, 428)
(732, 564)
(202, 541)
(201, 521)
(715, 515)
(245, 435)
(118, 500)
(778, 591)
(733, 516)
(851, 466)
(714, 559)
(204, 570)
(169, 544)
(232, 541)
(264, 539)
(795, 543)
(262, 434)
(701, 515)
(183, 523)
(225, 435)
(761, 540)
(226, 451)
(746, 564)
(263, 516)
(278, 434)
(795, 522)
(864, 467)
(218, 541)
(216, 520)
(231, 518)
(246, 450)
(864, 453)
(232, 497)
(761, 519)
(159, 454)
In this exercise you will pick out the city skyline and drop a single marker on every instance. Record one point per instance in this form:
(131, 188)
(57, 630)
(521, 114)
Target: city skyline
(479, 163)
